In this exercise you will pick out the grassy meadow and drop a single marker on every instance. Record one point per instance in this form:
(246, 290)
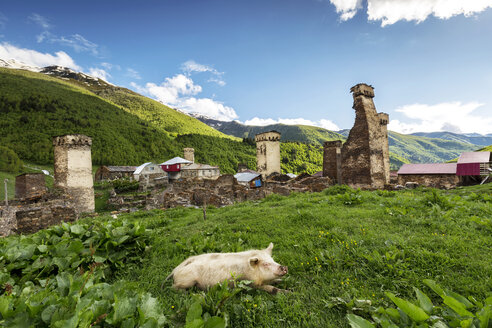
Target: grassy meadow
(341, 246)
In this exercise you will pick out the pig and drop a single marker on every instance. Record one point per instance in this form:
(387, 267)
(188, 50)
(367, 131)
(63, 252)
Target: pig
(206, 270)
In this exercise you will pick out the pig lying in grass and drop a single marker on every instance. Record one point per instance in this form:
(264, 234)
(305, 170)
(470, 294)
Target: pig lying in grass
(206, 270)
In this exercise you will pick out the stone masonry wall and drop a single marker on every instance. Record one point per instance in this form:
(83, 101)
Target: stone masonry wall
(363, 154)
(440, 181)
(332, 160)
(73, 170)
(267, 153)
(30, 185)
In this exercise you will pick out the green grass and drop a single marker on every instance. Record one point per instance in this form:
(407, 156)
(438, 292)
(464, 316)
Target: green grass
(355, 244)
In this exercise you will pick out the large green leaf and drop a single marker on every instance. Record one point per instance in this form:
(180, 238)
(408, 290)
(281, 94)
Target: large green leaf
(215, 322)
(457, 306)
(195, 312)
(424, 301)
(435, 287)
(358, 322)
(410, 309)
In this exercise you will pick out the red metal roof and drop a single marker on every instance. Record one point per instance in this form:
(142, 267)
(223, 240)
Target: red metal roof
(474, 157)
(434, 168)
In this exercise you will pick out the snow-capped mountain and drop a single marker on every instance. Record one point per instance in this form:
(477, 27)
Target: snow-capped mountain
(14, 64)
(58, 71)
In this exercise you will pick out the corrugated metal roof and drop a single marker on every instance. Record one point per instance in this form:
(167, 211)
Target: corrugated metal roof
(474, 157)
(433, 168)
(176, 160)
(139, 169)
(198, 166)
(246, 176)
(121, 168)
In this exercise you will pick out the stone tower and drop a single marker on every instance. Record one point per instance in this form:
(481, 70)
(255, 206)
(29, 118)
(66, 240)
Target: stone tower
(73, 170)
(268, 153)
(365, 154)
(189, 154)
(332, 160)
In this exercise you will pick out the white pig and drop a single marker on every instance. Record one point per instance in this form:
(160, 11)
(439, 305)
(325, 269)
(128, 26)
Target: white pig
(206, 270)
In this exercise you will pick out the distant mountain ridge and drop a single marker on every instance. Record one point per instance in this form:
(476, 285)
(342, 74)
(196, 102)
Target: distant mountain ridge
(471, 138)
(403, 148)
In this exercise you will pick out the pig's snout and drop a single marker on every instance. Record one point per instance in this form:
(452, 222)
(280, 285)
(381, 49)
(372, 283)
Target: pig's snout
(283, 270)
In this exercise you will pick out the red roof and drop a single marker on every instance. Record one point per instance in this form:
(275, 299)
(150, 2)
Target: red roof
(434, 168)
(474, 157)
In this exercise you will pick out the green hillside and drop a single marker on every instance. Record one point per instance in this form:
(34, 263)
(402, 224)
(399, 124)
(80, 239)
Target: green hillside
(34, 107)
(157, 114)
(300, 133)
(480, 140)
(426, 150)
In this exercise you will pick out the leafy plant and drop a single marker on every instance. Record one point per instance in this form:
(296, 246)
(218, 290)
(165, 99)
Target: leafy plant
(455, 311)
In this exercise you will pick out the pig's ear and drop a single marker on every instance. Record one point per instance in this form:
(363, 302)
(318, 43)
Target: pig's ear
(269, 249)
(254, 261)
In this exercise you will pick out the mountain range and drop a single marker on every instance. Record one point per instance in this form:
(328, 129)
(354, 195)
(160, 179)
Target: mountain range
(128, 128)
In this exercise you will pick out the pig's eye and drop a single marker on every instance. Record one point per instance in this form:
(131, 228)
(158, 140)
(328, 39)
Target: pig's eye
(266, 264)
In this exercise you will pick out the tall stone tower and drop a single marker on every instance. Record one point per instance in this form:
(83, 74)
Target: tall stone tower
(365, 154)
(73, 170)
(189, 154)
(268, 153)
(332, 160)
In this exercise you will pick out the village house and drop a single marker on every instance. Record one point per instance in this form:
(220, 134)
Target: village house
(107, 173)
(203, 171)
(149, 171)
(173, 167)
(249, 178)
(474, 166)
(436, 175)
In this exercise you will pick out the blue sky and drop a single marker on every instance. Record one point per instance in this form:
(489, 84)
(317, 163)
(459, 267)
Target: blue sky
(266, 61)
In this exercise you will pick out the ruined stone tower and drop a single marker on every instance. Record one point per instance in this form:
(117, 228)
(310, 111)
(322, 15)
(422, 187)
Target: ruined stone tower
(73, 170)
(189, 154)
(365, 154)
(268, 153)
(332, 160)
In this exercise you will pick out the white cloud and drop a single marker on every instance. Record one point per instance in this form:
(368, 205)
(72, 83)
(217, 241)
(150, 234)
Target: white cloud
(35, 58)
(192, 66)
(130, 72)
(99, 73)
(179, 91)
(40, 20)
(452, 116)
(326, 124)
(77, 42)
(347, 8)
(392, 11)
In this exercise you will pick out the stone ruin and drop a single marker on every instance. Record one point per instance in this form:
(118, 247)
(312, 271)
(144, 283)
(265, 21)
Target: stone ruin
(268, 153)
(73, 170)
(189, 154)
(35, 208)
(363, 160)
(220, 192)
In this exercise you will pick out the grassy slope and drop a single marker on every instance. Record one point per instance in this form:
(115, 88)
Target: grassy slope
(391, 241)
(426, 150)
(157, 114)
(36, 107)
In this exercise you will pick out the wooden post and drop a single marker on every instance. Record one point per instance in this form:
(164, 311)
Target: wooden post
(204, 208)
(6, 192)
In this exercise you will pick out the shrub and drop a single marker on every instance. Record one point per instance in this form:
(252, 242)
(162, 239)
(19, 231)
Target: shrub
(9, 161)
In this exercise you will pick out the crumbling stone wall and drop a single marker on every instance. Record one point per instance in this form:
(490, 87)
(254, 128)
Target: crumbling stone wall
(268, 153)
(29, 185)
(29, 216)
(221, 192)
(440, 181)
(365, 154)
(73, 170)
